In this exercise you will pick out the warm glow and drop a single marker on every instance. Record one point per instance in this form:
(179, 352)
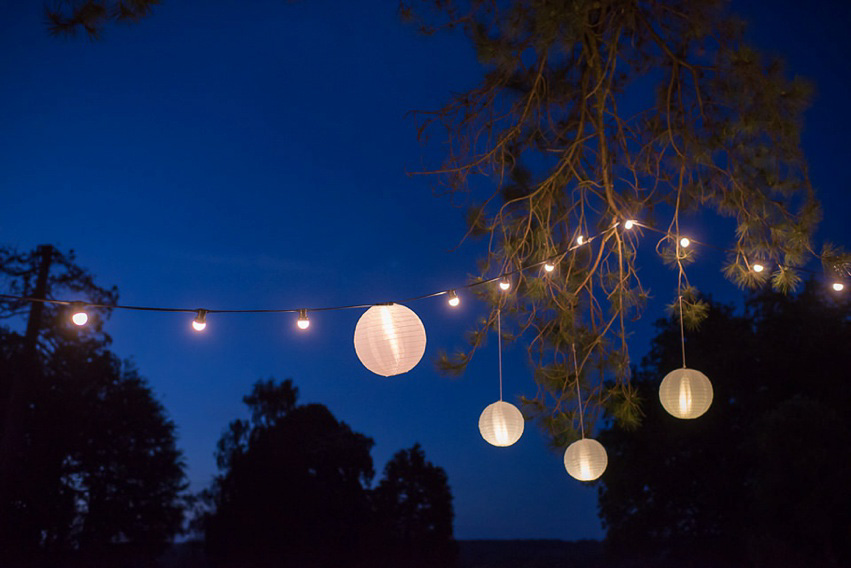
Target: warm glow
(200, 321)
(685, 393)
(303, 321)
(504, 284)
(629, 224)
(454, 300)
(501, 424)
(580, 240)
(758, 267)
(80, 318)
(389, 339)
(549, 267)
(684, 242)
(585, 459)
(838, 286)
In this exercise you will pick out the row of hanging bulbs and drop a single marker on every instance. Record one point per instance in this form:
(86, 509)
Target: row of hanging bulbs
(390, 340)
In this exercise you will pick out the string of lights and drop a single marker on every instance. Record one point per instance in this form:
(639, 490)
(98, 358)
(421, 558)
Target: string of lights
(79, 317)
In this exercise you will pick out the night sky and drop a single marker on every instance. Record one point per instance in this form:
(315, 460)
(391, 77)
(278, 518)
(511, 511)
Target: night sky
(235, 154)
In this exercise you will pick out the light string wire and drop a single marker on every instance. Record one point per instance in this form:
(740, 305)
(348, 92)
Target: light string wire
(471, 285)
(578, 392)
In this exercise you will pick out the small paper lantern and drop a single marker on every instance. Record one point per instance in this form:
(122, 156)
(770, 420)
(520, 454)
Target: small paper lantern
(585, 459)
(390, 339)
(501, 424)
(685, 393)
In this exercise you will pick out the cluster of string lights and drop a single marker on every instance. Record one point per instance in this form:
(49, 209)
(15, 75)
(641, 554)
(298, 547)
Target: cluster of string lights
(390, 340)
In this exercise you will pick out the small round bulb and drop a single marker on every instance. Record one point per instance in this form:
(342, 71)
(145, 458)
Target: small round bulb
(684, 242)
(629, 224)
(580, 240)
(838, 286)
(79, 317)
(454, 300)
(757, 267)
(303, 321)
(504, 284)
(200, 321)
(549, 267)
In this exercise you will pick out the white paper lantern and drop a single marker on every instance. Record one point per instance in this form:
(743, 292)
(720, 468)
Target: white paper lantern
(501, 424)
(685, 393)
(390, 339)
(585, 459)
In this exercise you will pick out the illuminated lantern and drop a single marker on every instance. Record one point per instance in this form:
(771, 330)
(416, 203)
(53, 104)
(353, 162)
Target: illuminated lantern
(685, 393)
(585, 459)
(501, 424)
(389, 339)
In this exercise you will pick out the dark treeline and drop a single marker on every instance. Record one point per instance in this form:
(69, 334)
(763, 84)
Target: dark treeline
(90, 473)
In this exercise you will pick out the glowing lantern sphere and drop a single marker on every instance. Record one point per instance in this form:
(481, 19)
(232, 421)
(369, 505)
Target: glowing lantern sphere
(585, 459)
(685, 393)
(390, 339)
(80, 318)
(501, 424)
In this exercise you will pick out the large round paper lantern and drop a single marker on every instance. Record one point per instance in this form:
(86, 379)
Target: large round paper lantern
(585, 459)
(685, 393)
(390, 339)
(501, 424)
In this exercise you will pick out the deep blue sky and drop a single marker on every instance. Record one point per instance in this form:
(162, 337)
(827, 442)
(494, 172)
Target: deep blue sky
(253, 154)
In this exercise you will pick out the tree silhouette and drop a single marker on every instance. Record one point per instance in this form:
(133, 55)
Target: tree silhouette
(413, 504)
(292, 488)
(760, 478)
(66, 17)
(90, 466)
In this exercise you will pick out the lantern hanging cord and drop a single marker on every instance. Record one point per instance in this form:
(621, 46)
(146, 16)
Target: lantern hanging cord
(499, 348)
(578, 392)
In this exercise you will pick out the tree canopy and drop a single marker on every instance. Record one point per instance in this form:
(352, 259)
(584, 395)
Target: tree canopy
(760, 478)
(294, 490)
(93, 470)
(591, 113)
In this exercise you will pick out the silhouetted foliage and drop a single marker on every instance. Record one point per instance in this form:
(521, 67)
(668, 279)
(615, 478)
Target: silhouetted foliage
(413, 504)
(292, 488)
(95, 474)
(294, 491)
(760, 479)
(66, 17)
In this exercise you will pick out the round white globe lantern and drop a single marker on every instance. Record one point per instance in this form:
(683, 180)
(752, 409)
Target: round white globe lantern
(685, 393)
(501, 424)
(390, 339)
(585, 459)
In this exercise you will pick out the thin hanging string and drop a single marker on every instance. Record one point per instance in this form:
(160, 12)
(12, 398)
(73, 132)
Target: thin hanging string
(499, 350)
(682, 332)
(578, 393)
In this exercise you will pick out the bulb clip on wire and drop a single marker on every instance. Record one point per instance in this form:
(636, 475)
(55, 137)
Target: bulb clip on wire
(303, 321)
(78, 314)
(504, 284)
(200, 321)
(454, 300)
(580, 240)
(549, 266)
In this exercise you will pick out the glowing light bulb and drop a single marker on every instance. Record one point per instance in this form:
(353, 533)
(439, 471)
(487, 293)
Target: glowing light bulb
(504, 284)
(303, 321)
(78, 314)
(758, 267)
(580, 240)
(454, 300)
(549, 267)
(629, 224)
(200, 321)
(684, 242)
(838, 286)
